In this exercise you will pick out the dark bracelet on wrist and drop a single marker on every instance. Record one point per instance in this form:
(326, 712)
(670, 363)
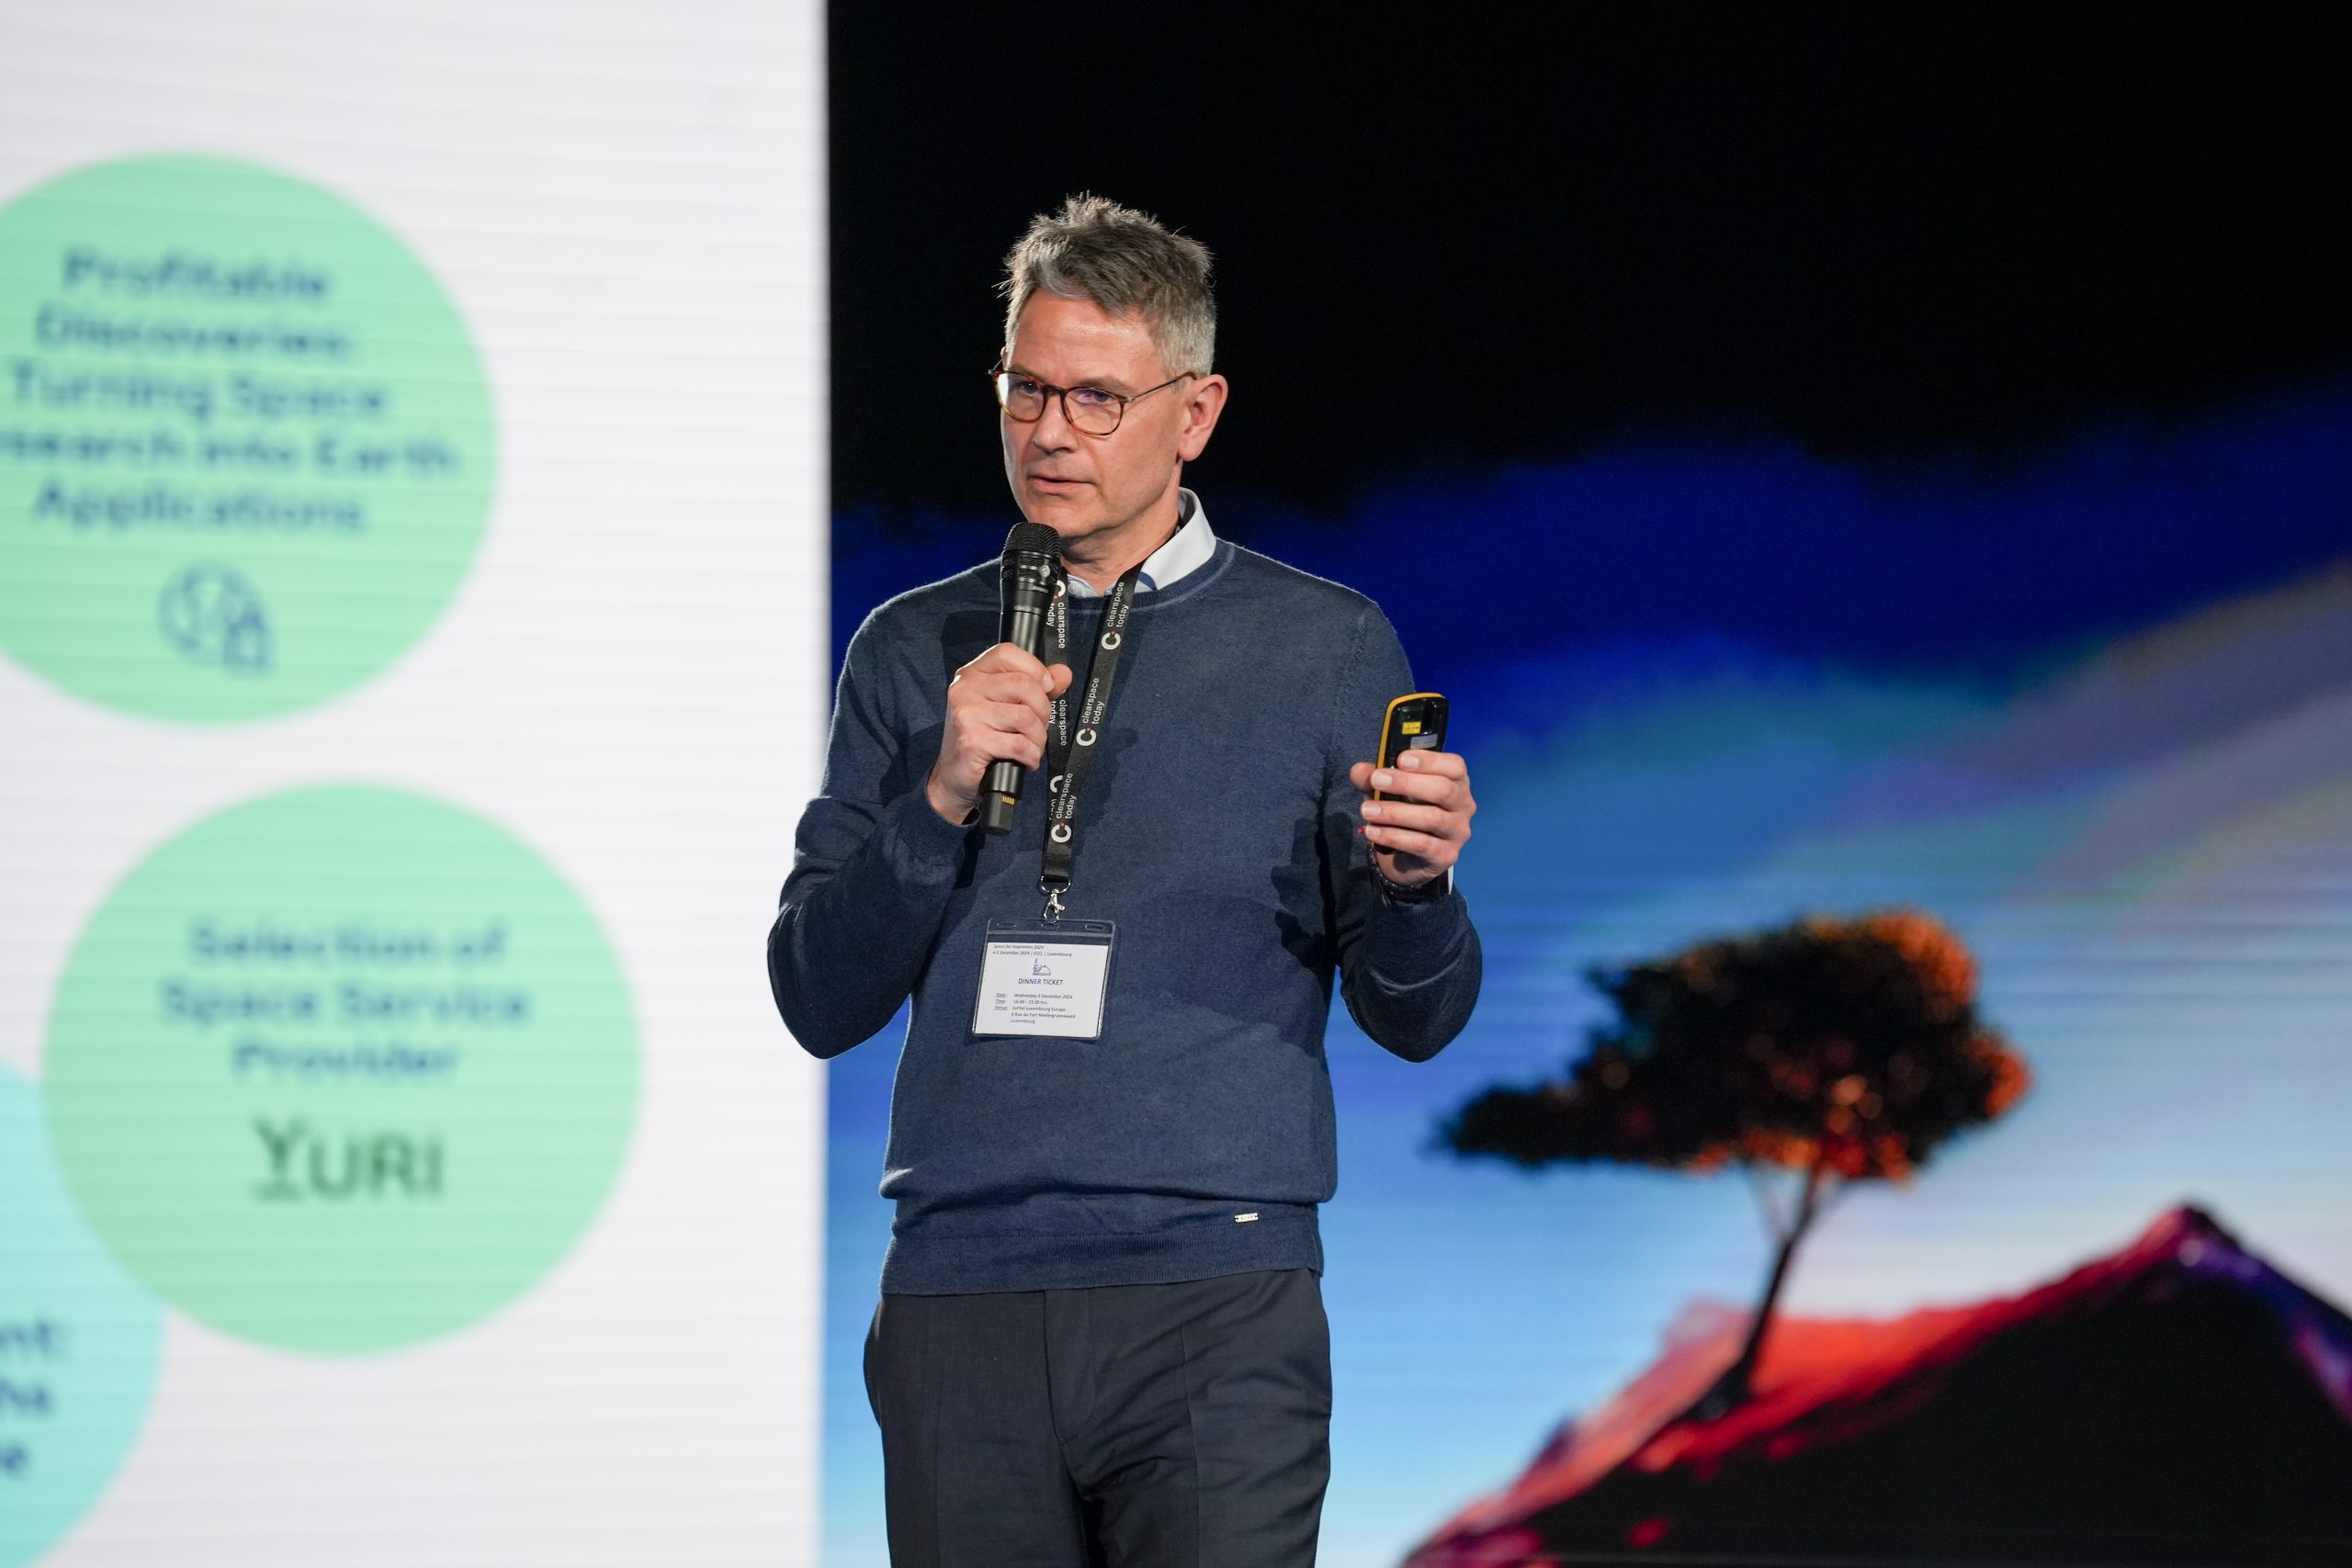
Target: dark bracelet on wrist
(1430, 892)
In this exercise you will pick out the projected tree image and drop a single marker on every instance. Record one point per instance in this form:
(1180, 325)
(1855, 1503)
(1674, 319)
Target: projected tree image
(1812, 1055)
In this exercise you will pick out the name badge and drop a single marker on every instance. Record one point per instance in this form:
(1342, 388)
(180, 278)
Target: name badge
(1045, 978)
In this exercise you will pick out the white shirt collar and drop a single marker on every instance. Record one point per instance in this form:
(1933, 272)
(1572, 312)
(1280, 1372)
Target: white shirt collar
(1187, 550)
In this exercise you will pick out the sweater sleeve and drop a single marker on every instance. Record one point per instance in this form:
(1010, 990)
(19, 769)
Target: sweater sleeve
(873, 866)
(1409, 973)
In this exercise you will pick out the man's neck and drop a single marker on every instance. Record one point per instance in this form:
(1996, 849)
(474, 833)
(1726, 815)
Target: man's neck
(1131, 546)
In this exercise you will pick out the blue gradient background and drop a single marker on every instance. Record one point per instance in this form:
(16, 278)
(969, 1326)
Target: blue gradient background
(2092, 706)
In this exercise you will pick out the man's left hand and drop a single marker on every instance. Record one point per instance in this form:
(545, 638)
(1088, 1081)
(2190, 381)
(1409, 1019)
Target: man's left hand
(1417, 833)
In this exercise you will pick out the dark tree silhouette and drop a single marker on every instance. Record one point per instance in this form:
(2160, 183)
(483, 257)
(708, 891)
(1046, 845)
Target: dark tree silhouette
(1818, 1053)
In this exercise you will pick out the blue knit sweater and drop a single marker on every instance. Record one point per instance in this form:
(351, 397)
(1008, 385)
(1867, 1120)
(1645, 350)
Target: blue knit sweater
(1217, 829)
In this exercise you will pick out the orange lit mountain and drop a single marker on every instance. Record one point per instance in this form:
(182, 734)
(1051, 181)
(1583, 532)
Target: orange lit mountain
(2180, 1402)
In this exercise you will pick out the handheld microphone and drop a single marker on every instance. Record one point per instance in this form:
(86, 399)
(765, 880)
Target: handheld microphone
(1025, 585)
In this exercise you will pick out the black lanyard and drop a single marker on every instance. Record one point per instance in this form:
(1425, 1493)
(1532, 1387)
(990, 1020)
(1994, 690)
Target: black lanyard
(1068, 754)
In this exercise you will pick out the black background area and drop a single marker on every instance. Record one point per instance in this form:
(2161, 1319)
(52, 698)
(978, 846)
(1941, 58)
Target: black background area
(1462, 236)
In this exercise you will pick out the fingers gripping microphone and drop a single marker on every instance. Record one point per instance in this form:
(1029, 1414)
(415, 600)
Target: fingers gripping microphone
(1026, 586)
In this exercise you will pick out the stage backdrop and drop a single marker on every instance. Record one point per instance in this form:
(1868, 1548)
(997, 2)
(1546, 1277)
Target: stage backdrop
(1874, 485)
(2076, 740)
(412, 655)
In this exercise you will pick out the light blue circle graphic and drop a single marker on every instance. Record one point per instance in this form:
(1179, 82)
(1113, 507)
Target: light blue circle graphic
(79, 1342)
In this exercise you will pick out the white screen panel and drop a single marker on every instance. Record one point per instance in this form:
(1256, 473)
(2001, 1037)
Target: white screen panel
(413, 661)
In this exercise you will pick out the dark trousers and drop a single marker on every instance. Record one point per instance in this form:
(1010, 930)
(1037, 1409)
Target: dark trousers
(1133, 1425)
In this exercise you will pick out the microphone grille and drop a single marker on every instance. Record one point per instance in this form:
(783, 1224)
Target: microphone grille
(1032, 538)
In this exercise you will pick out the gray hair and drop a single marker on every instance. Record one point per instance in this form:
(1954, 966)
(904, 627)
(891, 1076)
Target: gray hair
(1122, 261)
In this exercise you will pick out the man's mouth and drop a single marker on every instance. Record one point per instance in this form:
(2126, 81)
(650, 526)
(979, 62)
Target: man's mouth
(1054, 480)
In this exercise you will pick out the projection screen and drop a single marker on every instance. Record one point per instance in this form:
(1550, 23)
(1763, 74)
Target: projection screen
(413, 653)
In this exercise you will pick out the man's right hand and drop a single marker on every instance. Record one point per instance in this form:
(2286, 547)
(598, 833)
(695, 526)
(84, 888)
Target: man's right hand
(997, 709)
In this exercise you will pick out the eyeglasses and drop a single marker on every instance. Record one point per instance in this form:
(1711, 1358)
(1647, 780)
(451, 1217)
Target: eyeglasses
(1088, 410)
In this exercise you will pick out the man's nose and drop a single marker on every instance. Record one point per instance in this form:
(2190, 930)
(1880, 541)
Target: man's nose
(1061, 435)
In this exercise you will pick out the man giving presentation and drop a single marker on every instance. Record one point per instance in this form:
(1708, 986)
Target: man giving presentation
(1100, 1336)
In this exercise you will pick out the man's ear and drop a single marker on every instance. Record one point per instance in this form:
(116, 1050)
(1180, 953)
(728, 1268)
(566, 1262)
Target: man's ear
(1204, 401)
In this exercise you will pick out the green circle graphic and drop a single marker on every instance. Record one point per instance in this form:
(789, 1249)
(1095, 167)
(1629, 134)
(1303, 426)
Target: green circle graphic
(341, 1069)
(246, 448)
(79, 1341)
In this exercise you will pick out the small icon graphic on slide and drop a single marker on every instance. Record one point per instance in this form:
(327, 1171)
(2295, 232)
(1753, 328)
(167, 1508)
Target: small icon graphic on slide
(1037, 967)
(211, 614)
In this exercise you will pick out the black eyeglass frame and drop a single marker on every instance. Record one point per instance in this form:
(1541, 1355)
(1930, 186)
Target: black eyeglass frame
(1001, 373)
